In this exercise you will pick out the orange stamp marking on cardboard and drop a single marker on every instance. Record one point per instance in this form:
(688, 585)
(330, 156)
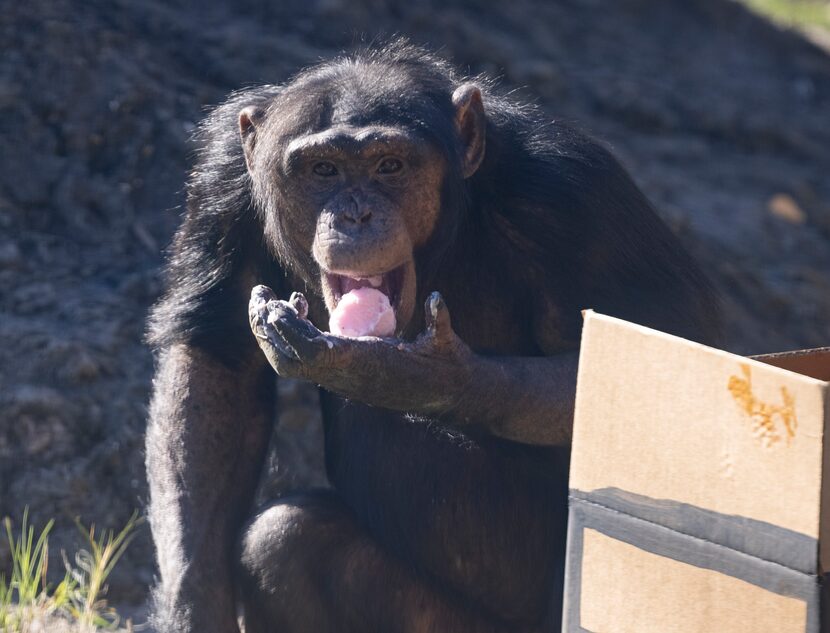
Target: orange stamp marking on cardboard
(770, 422)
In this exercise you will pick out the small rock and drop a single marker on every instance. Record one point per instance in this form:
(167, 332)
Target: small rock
(784, 206)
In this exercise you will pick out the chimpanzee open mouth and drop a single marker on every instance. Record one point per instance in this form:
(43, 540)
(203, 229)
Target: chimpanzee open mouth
(389, 283)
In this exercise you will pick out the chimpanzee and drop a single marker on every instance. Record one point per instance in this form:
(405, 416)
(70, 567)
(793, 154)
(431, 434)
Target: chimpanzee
(447, 441)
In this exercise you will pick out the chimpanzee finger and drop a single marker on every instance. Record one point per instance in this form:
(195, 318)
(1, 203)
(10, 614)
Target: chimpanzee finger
(438, 321)
(299, 334)
(279, 354)
(260, 296)
(298, 301)
(265, 332)
(262, 293)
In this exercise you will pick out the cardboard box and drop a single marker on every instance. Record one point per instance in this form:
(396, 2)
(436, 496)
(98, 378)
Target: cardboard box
(700, 487)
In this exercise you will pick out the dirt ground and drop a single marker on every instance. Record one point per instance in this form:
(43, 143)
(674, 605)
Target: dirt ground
(723, 119)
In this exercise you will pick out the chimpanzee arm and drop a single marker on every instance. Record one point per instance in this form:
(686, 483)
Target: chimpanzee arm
(528, 400)
(207, 435)
(213, 403)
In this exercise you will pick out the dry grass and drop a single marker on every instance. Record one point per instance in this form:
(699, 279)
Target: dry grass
(77, 604)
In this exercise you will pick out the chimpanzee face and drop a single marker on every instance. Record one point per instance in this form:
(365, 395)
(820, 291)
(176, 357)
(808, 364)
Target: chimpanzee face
(348, 200)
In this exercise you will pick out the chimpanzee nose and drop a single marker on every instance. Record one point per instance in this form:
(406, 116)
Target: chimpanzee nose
(355, 212)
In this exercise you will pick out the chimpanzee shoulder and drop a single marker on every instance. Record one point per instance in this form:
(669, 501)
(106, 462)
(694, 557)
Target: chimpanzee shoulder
(560, 219)
(218, 252)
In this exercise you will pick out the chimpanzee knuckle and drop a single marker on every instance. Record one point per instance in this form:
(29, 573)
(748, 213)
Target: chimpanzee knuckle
(422, 346)
(262, 294)
(272, 343)
(308, 351)
(279, 309)
(286, 347)
(307, 330)
(299, 303)
(299, 335)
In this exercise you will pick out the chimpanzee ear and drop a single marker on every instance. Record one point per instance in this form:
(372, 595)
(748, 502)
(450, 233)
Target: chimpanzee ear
(471, 122)
(249, 120)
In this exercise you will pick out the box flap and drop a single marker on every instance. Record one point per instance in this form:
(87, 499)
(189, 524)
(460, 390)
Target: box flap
(810, 362)
(665, 418)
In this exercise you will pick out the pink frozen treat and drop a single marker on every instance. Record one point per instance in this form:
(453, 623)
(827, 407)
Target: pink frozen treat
(363, 312)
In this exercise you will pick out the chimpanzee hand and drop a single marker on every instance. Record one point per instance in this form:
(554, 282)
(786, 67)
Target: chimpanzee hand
(426, 376)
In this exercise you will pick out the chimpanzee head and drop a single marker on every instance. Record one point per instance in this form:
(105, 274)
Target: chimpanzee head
(357, 167)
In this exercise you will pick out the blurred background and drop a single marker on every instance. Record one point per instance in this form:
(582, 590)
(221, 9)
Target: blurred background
(720, 109)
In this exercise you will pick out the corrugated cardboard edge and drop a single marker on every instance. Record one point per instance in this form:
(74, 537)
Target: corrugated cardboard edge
(589, 315)
(814, 363)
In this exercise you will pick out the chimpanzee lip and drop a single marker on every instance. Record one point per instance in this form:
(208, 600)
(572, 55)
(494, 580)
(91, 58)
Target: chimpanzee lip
(389, 283)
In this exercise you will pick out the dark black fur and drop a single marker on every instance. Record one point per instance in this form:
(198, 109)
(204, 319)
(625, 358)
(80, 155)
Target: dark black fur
(550, 224)
(219, 246)
(546, 195)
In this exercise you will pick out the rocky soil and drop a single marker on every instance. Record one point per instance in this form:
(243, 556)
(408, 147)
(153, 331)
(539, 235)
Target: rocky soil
(722, 118)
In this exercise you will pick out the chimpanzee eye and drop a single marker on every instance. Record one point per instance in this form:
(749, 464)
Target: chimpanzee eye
(390, 166)
(325, 168)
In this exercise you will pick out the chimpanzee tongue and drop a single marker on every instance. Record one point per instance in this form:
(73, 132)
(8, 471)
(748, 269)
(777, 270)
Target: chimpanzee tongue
(363, 311)
(347, 284)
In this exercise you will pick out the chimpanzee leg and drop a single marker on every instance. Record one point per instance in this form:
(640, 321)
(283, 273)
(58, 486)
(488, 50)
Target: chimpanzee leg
(306, 566)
